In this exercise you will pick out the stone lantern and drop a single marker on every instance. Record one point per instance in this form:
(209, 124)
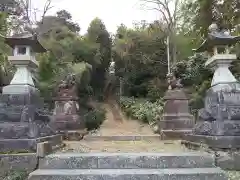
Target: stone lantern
(24, 48)
(23, 122)
(217, 47)
(218, 124)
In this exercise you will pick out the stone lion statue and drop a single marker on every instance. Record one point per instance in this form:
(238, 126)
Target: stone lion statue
(173, 82)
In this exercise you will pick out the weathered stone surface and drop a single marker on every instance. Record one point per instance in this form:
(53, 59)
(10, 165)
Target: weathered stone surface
(16, 162)
(126, 160)
(218, 125)
(174, 134)
(176, 124)
(22, 121)
(130, 174)
(176, 117)
(67, 122)
(28, 144)
(43, 149)
(216, 142)
(228, 160)
(218, 128)
(221, 113)
(65, 116)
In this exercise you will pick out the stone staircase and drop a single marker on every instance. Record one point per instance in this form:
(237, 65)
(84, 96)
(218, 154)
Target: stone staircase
(128, 166)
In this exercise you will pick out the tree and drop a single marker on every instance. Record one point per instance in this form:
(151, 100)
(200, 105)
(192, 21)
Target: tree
(141, 60)
(97, 34)
(168, 10)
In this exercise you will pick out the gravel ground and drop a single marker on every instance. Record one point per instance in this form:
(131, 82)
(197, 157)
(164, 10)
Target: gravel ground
(124, 146)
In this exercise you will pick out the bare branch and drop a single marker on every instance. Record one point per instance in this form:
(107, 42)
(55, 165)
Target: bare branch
(163, 8)
(175, 11)
(161, 11)
(166, 6)
(46, 8)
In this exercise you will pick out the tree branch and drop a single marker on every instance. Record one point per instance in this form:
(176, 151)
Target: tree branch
(46, 8)
(161, 11)
(175, 10)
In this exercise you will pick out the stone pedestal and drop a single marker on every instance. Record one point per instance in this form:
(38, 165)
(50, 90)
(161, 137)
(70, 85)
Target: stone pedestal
(218, 125)
(65, 117)
(23, 123)
(176, 120)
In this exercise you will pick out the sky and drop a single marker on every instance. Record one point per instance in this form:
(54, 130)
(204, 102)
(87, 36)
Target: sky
(111, 12)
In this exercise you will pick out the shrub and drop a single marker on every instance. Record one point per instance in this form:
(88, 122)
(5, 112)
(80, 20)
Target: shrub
(94, 118)
(16, 175)
(141, 109)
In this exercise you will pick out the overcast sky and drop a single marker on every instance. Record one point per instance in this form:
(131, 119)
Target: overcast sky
(111, 12)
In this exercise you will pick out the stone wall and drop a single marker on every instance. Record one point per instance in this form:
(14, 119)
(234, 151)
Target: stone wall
(17, 162)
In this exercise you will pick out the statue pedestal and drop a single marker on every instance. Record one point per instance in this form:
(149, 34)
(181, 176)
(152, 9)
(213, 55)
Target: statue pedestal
(23, 123)
(219, 121)
(65, 117)
(176, 120)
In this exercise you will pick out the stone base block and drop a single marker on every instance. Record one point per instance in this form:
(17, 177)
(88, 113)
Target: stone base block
(127, 160)
(43, 149)
(129, 174)
(174, 134)
(226, 160)
(19, 89)
(176, 124)
(27, 144)
(67, 123)
(218, 128)
(216, 142)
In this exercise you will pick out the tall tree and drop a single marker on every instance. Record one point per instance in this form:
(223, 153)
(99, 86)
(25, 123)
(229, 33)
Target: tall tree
(168, 16)
(98, 34)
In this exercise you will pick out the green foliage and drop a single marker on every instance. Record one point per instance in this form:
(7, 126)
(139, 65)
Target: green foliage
(97, 34)
(233, 175)
(87, 56)
(192, 71)
(16, 175)
(141, 109)
(140, 59)
(195, 77)
(197, 96)
(94, 118)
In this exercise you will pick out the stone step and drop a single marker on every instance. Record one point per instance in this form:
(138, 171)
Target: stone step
(174, 134)
(122, 138)
(129, 174)
(126, 160)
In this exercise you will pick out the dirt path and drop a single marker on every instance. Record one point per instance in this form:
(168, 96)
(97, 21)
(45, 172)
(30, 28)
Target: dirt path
(121, 126)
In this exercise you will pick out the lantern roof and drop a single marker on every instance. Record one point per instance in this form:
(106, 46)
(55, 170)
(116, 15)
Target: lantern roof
(217, 37)
(25, 39)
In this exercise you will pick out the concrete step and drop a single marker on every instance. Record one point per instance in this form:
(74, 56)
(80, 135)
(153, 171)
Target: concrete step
(126, 160)
(122, 138)
(129, 174)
